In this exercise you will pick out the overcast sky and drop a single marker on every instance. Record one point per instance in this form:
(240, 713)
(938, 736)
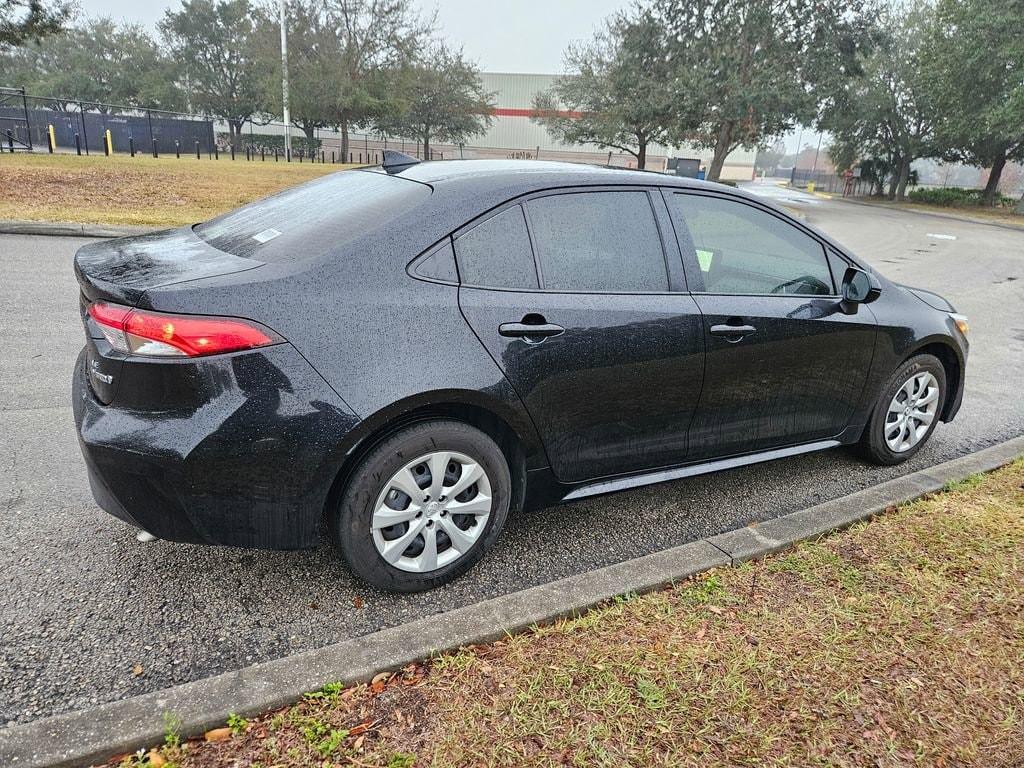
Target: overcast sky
(520, 36)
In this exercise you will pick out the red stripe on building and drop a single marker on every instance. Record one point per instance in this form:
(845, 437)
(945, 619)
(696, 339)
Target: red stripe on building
(509, 112)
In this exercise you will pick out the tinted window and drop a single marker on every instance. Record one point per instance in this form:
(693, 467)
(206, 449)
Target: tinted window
(598, 241)
(497, 252)
(339, 207)
(743, 250)
(439, 264)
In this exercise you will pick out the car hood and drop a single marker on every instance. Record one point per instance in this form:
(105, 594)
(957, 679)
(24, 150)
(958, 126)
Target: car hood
(933, 300)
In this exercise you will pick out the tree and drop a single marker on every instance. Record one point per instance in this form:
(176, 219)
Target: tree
(886, 112)
(99, 61)
(617, 93)
(443, 99)
(754, 68)
(314, 56)
(973, 66)
(215, 43)
(377, 39)
(22, 20)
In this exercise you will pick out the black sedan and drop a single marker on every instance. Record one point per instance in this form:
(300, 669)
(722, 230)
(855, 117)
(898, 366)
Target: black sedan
(397, 357)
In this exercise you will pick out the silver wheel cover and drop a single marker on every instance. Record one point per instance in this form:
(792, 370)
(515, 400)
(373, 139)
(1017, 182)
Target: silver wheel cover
(911, 412)
(431, 512)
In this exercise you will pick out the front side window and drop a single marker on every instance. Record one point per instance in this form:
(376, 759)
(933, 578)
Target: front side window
(598, 241)
(497, 253)
(744, 250)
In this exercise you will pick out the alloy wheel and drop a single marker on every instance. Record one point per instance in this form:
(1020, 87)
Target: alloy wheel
(431, 512)
(911, 412)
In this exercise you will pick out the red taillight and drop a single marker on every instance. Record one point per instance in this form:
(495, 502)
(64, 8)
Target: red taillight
(141, 332)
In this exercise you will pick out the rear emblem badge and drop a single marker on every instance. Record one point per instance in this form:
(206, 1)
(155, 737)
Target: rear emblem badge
(105, 378)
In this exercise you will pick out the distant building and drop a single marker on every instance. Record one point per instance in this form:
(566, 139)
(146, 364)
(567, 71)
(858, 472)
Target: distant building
(514, 134)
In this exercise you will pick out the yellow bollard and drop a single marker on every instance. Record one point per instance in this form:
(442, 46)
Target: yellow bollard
(810, 184)
(51, 139)
(108, 145)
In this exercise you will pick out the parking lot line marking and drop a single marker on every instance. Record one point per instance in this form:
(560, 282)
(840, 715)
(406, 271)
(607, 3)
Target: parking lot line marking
(942, 237)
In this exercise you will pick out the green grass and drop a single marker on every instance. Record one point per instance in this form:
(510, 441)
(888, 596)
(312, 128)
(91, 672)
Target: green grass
(142, 190)
(899, 642)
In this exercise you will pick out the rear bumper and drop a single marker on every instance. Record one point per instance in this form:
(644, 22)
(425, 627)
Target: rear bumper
(248, 461)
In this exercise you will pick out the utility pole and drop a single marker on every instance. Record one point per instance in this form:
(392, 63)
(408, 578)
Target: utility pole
(284, 82)
(816, 151)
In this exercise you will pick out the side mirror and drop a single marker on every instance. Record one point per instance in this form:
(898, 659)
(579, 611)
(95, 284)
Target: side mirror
(859, 287)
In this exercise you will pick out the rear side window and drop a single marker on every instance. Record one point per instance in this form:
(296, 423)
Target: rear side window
(497, 253)
(337, 208)
(744, 250)
(598, 241)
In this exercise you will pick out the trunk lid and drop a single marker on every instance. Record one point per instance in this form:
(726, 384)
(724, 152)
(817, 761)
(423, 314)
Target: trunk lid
(122, 270)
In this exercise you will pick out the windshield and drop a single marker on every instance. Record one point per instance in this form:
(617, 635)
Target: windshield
(335, 209)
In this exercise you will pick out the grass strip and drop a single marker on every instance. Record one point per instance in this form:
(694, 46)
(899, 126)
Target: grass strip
(143, 190)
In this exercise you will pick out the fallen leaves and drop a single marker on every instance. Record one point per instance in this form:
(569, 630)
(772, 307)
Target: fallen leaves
(218, 734)
(379, 681)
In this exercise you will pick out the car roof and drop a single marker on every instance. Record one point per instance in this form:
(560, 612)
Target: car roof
(541, 173)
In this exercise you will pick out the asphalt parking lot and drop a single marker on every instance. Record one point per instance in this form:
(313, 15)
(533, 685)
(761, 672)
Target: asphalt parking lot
(84, 607)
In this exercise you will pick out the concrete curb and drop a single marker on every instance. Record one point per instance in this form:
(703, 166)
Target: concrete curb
(70, 229)
(78, 738)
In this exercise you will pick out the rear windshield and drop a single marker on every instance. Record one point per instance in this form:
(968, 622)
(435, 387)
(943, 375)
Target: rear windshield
(336, 209)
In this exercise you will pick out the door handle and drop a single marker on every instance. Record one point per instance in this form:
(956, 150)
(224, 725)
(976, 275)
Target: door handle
(732, 333)
(530, 331)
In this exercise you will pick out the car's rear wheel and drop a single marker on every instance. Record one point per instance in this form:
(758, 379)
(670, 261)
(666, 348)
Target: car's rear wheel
(906, 412)
(423, 506)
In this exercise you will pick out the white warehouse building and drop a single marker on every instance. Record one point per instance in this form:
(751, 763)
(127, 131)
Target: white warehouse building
(514, 134)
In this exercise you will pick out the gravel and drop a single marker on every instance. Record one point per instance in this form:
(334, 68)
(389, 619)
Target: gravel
(82, 602)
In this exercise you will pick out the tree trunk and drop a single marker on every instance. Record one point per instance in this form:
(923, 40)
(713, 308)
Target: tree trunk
(1020, 205)
(722, 146)
(343, 130)
(992, 185)
(894, 177)
(901, 189)
(310, 131)
(235, 133)
(426, 144)
(641, 155)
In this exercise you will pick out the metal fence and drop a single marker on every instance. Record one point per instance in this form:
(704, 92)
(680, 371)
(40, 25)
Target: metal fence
(827, 181)
(80, 126)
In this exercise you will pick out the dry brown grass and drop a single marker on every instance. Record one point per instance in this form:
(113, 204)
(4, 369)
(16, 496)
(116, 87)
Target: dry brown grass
(899, 642)
(142, 190)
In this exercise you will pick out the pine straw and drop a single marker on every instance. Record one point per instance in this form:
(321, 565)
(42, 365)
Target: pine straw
(142, 190)
(898, 642)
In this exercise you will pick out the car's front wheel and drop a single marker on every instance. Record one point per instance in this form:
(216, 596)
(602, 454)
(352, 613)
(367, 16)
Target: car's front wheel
(423, 506)
(906, 412)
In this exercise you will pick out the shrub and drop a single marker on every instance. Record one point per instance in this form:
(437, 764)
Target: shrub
(953, 197)
(271, 141)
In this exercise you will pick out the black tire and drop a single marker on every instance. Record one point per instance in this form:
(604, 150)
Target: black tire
(872, 444)
(351, 521)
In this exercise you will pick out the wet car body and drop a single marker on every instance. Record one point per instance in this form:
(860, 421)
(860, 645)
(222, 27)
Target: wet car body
(374, 330)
